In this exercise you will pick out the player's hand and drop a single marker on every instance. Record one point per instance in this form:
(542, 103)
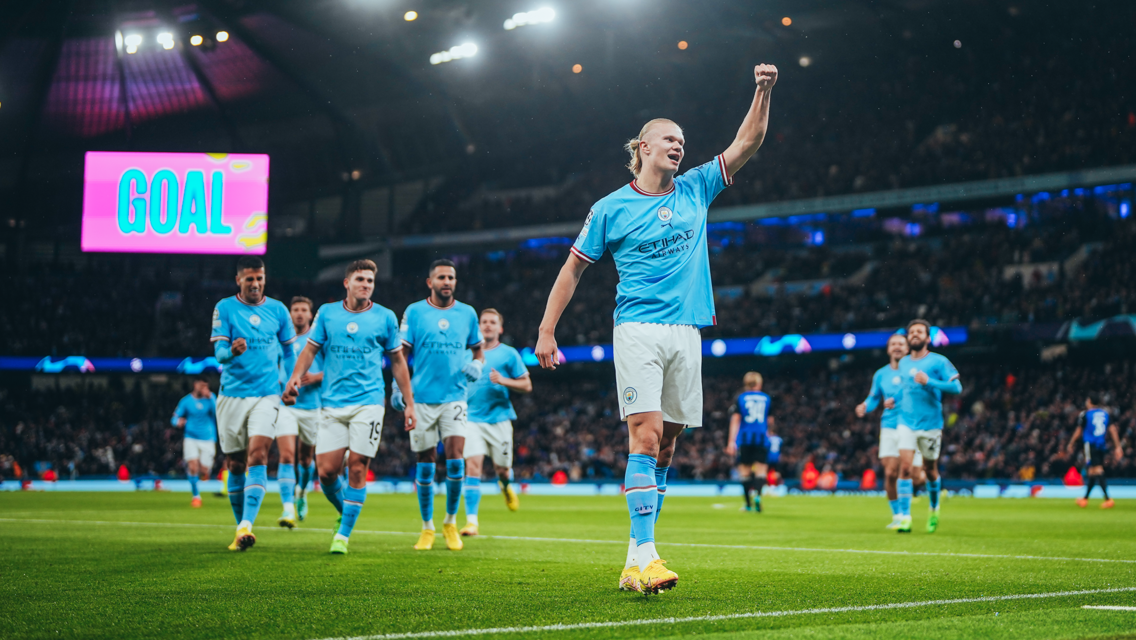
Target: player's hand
(921, 377)
(732, 449)
(495, 377)
(861, 410)
(308, 379)
(181, 423)
(546, 351)
(397, 401)
(239, 347)
(472, 370)
(765, 75)
(291, 391)
(1119, 454)
(889, 403)
(410, 416)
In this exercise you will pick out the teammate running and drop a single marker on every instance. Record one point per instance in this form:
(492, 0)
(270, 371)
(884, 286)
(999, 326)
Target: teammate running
(299, 423)
(1093, 425)
(197, 414)
(490, 418)
(440, 329)
(353, 335)
(655, 228)
(246, 331)
(749, 426)
(886, 387)
(925, 377)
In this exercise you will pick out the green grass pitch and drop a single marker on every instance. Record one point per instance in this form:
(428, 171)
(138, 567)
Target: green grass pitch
(145, 565)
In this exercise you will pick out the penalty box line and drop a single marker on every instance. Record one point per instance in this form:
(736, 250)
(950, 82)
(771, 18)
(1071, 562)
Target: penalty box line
(733, 616)
(947, 554)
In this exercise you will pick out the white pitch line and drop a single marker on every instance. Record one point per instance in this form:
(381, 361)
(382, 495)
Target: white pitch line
(1106, 608)
(732, 616)
(947, 554)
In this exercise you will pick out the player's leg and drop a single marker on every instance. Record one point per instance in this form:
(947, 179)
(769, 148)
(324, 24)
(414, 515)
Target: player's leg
(905, 485)
(286, 473)
(745, 477)
(453, 429)
(261, 432)
(306, 471)
(236, 465)
(760, 470)
(332, 441)
(499, 447)
(366, 429)
(424, 442)
(472, 492)
(232, 432)
(928, 445)
(189, 448)
(889, 461)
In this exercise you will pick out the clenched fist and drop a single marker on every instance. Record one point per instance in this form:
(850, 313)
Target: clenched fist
(765, 75)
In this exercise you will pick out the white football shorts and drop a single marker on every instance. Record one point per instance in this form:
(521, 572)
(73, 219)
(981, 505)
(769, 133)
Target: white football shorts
(926, 442)
(358, 428)
(299, 422)
(491, 439)
(200, 450)
(658, 367)
(238, 419)
(889, 446)
(436, 422)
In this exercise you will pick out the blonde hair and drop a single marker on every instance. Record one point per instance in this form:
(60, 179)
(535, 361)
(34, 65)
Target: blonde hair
(752, 380)
(500, 318)
(635, 165)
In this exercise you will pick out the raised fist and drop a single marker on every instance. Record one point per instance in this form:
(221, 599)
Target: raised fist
(765, 75)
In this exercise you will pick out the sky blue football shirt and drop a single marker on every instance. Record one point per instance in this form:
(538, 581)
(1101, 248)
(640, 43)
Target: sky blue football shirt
(309, 396)
(489, 402)
(440, 338)
(886, 383)
(353, 343)
(200, 417)
(921, 406)
(266, 327)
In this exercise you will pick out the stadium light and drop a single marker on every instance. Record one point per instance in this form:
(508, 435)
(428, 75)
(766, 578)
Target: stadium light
(682, 45)
(456, 52)
(526, 18)
(133, 40)
(805, 61)
(196, 40)
(166, 39)
(786, 21)
(222, 36)
(577, 68)
(410, 16)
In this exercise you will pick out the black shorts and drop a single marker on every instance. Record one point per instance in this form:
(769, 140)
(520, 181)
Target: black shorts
(752, 454)
(1094, 456)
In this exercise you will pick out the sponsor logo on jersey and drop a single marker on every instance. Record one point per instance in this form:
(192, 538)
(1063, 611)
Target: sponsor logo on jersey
(671, 244)
(443, 324)
(254, 320)
(352, 327)
(630, 395)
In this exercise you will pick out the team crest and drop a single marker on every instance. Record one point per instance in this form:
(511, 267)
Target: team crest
(629, 395)
(665, 214)
(254, 320)
(443, 324)
(352, 327)
(896, 380)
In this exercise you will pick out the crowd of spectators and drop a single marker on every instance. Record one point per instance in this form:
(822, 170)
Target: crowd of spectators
(1011, 422)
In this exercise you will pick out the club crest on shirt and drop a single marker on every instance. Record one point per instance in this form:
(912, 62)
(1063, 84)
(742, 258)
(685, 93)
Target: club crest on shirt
(254, 320)
(352, 327)
(665, 214)
(443, 324)
(896, 380)
(629, 395)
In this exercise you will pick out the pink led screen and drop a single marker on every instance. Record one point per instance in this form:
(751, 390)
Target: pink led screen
(175, 202)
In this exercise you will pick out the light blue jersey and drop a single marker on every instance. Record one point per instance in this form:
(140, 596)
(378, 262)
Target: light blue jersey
(200, 417)
(659, 245)
(921, 406)
(309, 396)
(267, 328)
(753, 406)
(886, 383)
(440, 338)
(488, 401)
(353, 343)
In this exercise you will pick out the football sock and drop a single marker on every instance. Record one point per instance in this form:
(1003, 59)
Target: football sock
(334, 492)
(506, 480)
(286, 478)
(904, 489)
(894, 504)
(193, 486)
(660, 488)
(1089, 487)
(472, 498)
(307, 472)
(758, 484)
(631, 561)
(1103, 485)
(642, 500)
(352, 504)
(236, 486)
(933, 487)
(254, 493)
(746, 492)
(455, 473)
(424, 479)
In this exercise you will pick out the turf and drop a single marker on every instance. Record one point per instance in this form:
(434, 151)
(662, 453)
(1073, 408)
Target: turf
(70, 569)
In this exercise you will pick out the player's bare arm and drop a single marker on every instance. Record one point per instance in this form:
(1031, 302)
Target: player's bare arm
(752, 132)
(519, 385)
(401, 373)
(1073, 440)
(731, 441)
(1118, 448)
(309, 379)
(303, 363)
(558, 300)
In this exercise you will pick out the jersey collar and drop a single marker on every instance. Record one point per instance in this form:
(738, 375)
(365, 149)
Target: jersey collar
(649, 193)
(263, 299)
(431, 303)
(363, 310)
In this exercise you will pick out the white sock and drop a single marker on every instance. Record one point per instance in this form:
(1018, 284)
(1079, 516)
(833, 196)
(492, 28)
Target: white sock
(290, 509)
(245, 524)
(646, 554)
(427, 525)
(451, 518)
(471, 519)
(631, 561)
(340, 536)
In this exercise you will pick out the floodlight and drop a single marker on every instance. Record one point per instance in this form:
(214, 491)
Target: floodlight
(133, 40)
(196, 40)
(525, 18)
(222, 36)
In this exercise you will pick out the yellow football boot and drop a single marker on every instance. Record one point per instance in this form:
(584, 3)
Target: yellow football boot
(469, 529)
(657, 577)
(425, 541)
(512, 500)
(287, 521)
(244, 540)
(453, 538)
(629, 580)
